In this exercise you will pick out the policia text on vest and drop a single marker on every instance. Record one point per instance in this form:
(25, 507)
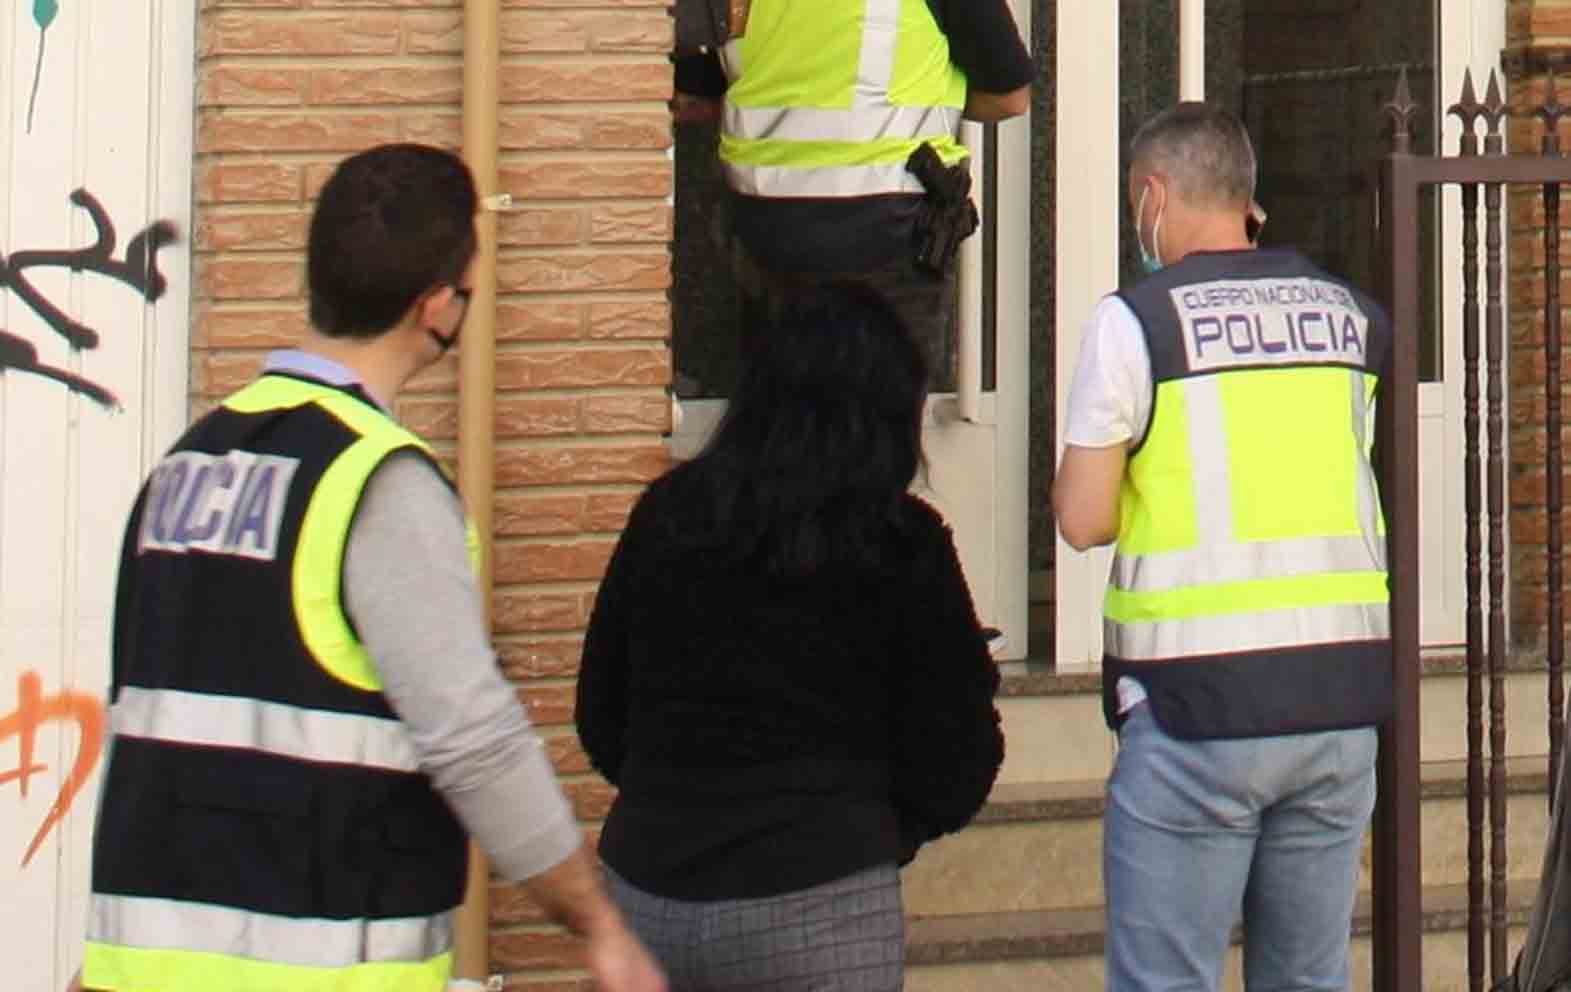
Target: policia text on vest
(229, 504)
(1287, 321)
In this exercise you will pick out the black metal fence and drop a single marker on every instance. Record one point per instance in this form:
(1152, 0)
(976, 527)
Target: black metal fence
(1481, 172)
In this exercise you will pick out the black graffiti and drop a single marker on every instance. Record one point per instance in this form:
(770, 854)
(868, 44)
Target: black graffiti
(137, 269)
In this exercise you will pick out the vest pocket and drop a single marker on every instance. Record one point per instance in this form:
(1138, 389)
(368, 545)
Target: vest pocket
(415, 853)
(246, 839)
(412, 818)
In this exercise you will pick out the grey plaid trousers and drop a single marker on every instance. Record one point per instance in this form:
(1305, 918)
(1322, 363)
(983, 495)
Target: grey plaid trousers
(847, 935)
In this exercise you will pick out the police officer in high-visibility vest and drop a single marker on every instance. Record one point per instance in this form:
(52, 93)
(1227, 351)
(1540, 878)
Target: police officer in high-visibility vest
(1219, 434)
(825, 102)
(308, 718)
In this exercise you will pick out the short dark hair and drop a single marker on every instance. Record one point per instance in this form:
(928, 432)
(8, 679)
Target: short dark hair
(1203, 149)
(823, 436)
(391, 222)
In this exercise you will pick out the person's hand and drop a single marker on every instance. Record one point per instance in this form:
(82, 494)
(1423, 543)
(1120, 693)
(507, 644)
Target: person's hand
(571, 894)
(619, 963)
(75, 984)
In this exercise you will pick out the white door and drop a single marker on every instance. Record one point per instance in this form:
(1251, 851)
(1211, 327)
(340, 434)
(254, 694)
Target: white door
(975, 439)
(1088, 201)
(95, 152)
(1470, 34)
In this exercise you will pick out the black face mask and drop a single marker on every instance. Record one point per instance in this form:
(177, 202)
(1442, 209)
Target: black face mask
(443, 345)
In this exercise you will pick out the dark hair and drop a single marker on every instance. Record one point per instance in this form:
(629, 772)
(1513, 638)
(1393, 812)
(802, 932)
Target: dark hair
(391, 223)
(811, 462)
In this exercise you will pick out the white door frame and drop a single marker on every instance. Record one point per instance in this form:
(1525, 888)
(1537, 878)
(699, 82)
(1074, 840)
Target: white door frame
(1471, 35)
(1087, 201)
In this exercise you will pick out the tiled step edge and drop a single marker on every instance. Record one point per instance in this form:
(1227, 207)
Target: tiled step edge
(1448, 779)
(1082, 799)
(1067, 933)
(1029, 801)
(1036, 677)
(1025, 678)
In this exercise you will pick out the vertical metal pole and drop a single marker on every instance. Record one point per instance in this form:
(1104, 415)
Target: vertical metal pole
(1551, 112)
(477, 398)
(1494, 350)
(1556, 488)
(1473, 503)
(1469, 110)
(1398, 893)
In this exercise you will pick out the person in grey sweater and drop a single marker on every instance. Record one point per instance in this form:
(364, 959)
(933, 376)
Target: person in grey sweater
(308, 717)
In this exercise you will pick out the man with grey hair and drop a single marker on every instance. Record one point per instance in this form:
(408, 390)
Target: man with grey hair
(1219, 432)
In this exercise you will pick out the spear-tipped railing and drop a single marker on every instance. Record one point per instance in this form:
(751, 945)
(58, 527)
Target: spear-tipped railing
(1403, 175)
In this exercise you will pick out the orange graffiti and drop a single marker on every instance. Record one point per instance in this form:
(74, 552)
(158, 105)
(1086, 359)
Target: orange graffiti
(33, 710)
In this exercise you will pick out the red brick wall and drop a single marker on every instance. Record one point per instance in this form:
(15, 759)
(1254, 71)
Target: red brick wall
(1538, 31)
(1537, 23)
(288, 87)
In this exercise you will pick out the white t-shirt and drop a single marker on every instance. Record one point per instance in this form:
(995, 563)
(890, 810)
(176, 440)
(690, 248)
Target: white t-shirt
(1110, 402)
(1110, 397)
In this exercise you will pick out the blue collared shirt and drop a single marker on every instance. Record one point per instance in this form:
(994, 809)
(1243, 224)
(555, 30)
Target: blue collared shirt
(319, 367)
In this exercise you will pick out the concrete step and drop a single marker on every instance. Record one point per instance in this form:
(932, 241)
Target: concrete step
(1038, 846)
(1055, 732)
(1053, 727)
(1061, 950)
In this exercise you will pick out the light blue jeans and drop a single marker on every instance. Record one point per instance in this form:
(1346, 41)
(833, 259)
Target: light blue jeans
(1197, 832)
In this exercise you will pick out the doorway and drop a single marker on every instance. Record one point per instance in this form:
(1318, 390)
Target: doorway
(975, 428)
(1308, 78)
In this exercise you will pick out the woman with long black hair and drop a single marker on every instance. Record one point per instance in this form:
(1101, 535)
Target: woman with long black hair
(784, 674)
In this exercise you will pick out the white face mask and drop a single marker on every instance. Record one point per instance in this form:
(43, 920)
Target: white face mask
(1151, 261)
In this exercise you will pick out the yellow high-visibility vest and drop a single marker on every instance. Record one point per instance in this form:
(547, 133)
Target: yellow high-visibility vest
(829, 98)
(1250, 568)
(253, 742)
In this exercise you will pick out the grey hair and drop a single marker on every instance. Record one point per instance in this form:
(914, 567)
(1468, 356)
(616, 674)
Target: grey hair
(1202, 149)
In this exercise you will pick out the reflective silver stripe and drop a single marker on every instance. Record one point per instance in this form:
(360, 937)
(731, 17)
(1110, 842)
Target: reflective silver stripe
(860, 125)
(1243, 562)
(1368, 493)
(869, 118)
(731, 58)
(274, 728)
(859, 180)
(172, 924)
(1268, 629)
(876, 67)
(1363, 410)
(1208, 460)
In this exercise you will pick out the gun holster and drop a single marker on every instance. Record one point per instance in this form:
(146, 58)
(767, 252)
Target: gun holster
(700, 25)
(703, 25)
(947, 216)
